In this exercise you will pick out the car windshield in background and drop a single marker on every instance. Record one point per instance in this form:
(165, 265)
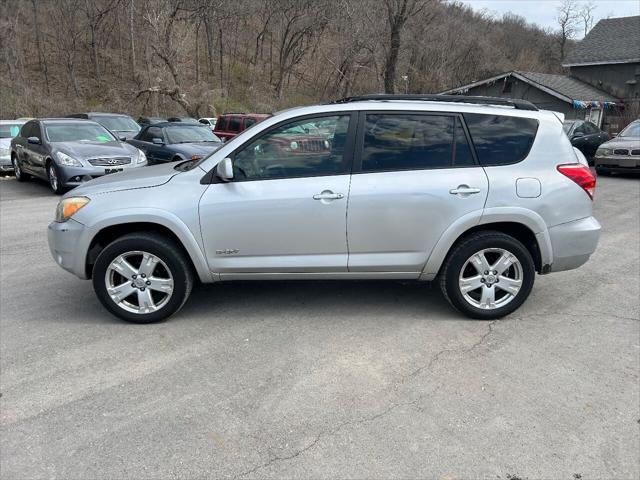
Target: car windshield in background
(190, 133)
(118, 124)
(566, 126)
(9, 130)
(631, 131)
(78, 132)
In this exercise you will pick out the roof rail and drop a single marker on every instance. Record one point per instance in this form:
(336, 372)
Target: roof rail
(510, 102)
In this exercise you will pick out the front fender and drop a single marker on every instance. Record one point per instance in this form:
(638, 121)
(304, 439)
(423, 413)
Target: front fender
(147, 215)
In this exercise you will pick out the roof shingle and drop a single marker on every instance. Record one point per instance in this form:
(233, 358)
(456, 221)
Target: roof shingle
(612, 40)
(568, 86)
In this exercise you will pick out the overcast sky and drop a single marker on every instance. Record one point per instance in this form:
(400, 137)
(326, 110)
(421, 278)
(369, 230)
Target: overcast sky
(543, 12)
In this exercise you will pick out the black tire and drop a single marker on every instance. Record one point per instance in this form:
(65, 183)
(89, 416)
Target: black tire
(166, 250)
(467, 247)
(53, 176)
(17, 170)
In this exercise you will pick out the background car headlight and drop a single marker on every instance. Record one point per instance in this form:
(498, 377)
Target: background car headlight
(142, 158)
(68, 161)
(68, 206)
(604, 152)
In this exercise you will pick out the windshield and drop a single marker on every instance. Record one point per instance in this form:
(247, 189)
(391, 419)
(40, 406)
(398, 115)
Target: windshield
(190, 133)
(78, 132)
(566, 126)
(118, 124)
(9, 130)
(632, 130)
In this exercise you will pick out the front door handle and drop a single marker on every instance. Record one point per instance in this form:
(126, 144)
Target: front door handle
(328, 195)
(464, 190)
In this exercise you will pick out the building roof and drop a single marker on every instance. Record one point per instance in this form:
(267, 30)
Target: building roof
(612, 40)
(564, 87)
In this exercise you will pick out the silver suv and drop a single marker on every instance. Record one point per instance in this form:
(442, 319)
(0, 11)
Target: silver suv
(474, 192)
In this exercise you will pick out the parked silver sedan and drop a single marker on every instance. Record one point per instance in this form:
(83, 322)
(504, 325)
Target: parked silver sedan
(68, 152)
(621, 154)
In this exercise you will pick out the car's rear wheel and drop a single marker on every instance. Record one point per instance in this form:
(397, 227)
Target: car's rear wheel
(487, 275)
(142, 278)
(54, 178)
(17, 170)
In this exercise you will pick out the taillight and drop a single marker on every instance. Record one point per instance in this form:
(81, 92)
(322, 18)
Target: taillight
(581, 174)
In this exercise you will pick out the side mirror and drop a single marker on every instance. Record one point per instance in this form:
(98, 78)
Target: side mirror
(577, 135)
(34, 140)
(122, 138)
(157, 141)
(224, 170)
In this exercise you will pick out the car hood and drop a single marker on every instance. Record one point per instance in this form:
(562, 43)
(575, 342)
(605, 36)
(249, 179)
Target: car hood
(199, 148)
(84, 150)
(622, 142)
(129, 179)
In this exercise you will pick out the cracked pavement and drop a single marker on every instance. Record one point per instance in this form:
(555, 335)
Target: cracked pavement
(320, 379)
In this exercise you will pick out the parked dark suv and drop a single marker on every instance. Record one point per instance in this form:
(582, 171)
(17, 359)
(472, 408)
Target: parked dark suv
(123, 126)
(231, 124)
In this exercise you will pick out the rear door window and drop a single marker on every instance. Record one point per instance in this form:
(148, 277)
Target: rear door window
(221, 124)
(234, 124)
(499, 139)
(407, 142)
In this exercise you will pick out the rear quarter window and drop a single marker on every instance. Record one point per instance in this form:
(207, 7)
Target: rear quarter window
(499, 139)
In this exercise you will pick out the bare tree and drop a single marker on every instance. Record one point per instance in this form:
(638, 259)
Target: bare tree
(567, 19)
(586, 16)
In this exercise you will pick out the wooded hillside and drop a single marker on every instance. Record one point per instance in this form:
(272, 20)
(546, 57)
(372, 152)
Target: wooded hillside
(202, 57)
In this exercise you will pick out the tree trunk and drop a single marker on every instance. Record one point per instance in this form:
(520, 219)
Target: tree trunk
(392, 61)
(132, 42)
(42, 58)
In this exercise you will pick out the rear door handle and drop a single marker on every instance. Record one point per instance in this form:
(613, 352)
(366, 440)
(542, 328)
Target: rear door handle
(464, 190)
(328, 195)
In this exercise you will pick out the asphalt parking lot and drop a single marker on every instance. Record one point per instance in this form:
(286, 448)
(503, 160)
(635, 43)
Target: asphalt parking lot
(339, 380)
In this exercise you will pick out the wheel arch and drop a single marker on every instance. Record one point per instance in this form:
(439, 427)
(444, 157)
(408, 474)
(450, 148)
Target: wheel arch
(105, 234)
(524, 225)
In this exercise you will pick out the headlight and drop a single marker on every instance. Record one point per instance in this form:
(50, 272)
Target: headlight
(67, 207)
(4, 151)
(142, 158)
(65, 159)
(604, 152)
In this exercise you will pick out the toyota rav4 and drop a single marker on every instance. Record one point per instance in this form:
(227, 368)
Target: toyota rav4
(478, 194)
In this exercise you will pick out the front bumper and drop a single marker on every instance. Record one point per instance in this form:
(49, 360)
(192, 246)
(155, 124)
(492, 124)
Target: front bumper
(618, 163)
(74, 176)
(573, 243)
(5, 163)
(64, 239)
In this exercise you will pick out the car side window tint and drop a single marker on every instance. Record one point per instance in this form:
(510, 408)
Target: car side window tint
(221, 124)
(151, 133)
(581, 128)
(249, 122)
(407, 142)
(591, 128)
(463, 156)
(234, 124)
(501, 139)
(291, 150)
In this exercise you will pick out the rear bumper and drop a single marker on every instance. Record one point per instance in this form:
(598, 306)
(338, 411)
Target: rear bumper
(573, 243)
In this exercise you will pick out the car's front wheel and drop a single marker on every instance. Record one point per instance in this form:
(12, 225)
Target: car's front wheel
(54, 179)
(17, 170)
(142, 278)
(487, 275)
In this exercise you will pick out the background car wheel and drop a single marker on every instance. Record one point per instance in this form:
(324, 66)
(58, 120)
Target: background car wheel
(17, 170)
(487, 275)
(54, 179)
(142, 278)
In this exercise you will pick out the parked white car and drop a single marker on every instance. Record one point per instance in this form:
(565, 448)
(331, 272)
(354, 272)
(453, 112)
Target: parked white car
(210, 122)
(8, 130)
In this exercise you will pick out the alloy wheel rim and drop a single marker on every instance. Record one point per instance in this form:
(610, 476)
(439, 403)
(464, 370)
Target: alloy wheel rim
(16, 168)
(491, 278)
(53, 178)
(139, 282)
